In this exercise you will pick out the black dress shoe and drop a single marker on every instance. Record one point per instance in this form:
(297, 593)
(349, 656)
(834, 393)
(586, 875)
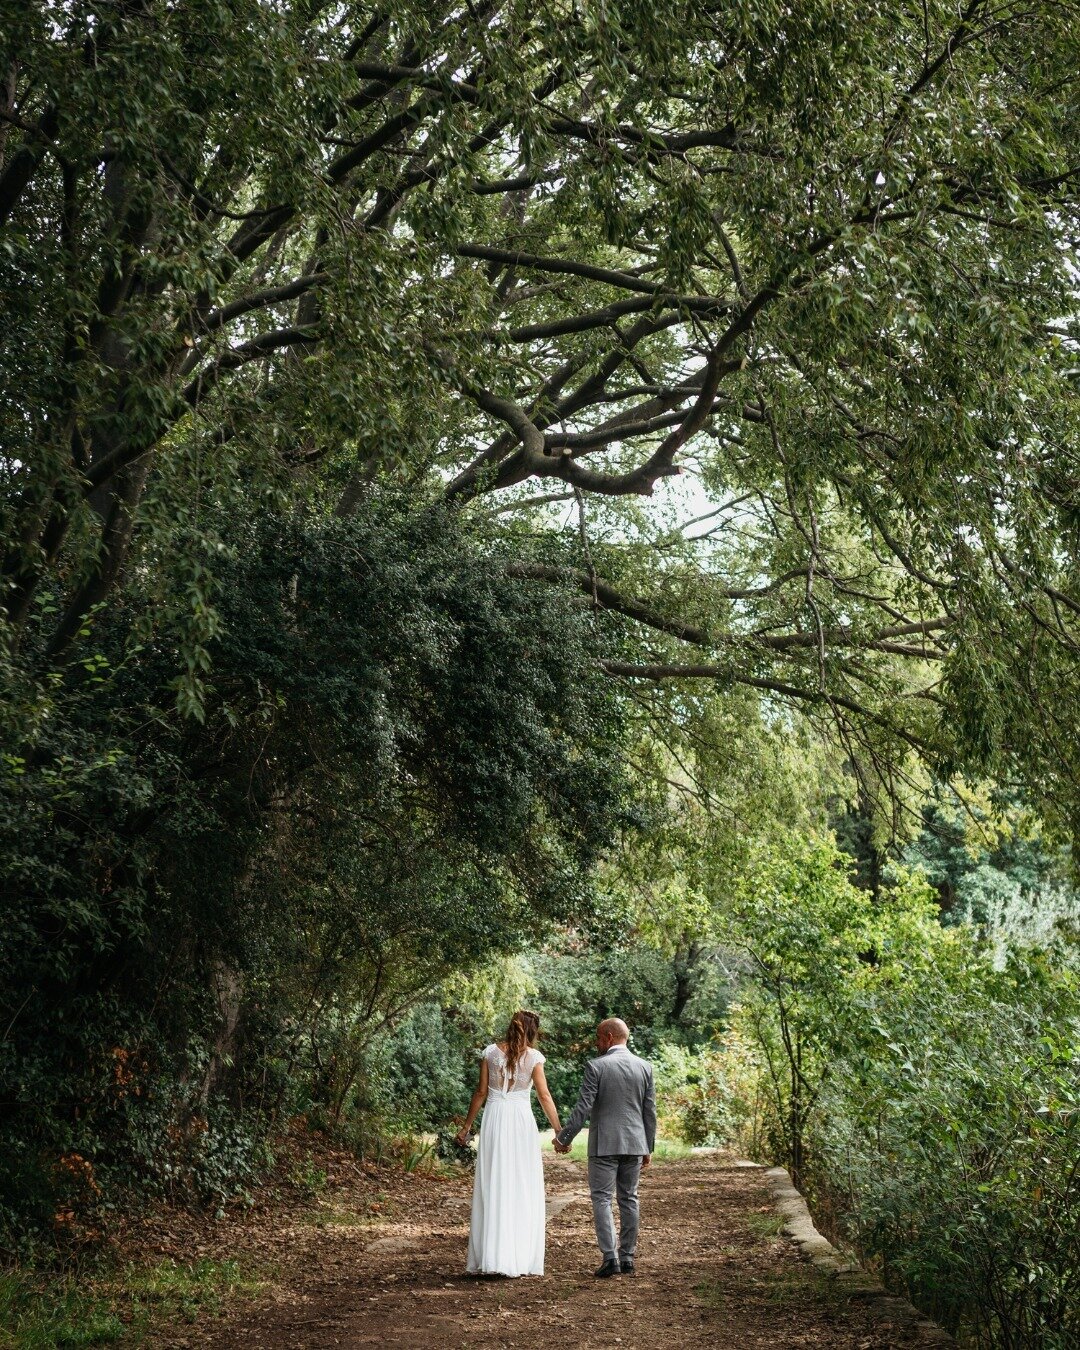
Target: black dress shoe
(626, 1265)
(606, 1271)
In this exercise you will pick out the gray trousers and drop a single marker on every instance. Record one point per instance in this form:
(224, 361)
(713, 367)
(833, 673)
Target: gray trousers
(615, 1176)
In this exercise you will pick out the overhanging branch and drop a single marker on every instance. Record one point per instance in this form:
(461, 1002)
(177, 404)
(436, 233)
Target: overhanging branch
(566, 266)
(609, 598)
(659, 672)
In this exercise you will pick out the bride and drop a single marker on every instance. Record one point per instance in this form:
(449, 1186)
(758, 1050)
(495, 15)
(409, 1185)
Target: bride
(506, 1236)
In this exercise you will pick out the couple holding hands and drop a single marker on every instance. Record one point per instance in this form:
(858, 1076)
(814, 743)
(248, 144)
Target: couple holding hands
(617, 1098)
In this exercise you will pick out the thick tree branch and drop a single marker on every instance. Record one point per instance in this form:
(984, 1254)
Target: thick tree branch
(562, 266)
(704, 305)
(506, 410)
(21, 167)
(661, 463)
(609, 597)
(271, 295)
(527, 503)
(657, 144)
(611, 433)
(263, 345)
(106, 467)
(548, 408)
(483, 187)
(845, 637)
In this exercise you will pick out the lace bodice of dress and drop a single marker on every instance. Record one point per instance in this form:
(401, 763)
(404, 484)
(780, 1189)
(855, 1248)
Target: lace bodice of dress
(521, 1080)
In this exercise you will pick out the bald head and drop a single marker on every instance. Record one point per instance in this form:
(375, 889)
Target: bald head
(611, 1031)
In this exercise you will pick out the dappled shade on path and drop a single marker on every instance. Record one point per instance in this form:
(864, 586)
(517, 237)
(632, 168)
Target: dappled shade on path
(713, 1271)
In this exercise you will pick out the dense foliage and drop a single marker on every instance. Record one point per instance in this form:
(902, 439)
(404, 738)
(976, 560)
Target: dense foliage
(206, 922)
(921, 1083)
(822, 259)
(675, 1003)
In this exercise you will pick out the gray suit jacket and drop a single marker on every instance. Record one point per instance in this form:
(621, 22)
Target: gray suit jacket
(618, 1099)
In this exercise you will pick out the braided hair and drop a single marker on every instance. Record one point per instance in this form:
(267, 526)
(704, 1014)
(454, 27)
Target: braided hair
(520, 1034)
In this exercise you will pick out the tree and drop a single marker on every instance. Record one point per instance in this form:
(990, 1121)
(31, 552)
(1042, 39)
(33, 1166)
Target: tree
(265, 268)
(985, 854)
(807, 932)
(819, 258)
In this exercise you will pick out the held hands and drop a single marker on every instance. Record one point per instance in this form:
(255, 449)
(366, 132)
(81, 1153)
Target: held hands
(560, 1148)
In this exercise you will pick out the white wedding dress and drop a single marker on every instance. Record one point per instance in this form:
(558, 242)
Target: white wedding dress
(506, 1236)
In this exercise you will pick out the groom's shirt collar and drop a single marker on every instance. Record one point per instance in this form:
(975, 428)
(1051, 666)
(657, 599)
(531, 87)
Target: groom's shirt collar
(613, 1048)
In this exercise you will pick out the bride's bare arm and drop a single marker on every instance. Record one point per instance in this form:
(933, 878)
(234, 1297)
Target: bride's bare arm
(476, 1103)
(543, 1094)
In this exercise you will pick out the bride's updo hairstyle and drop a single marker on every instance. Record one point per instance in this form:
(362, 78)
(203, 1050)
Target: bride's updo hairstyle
(520, 1034)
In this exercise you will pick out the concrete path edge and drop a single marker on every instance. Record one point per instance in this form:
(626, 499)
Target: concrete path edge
(852, 1280)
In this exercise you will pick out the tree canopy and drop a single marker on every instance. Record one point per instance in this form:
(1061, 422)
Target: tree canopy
(821, 259)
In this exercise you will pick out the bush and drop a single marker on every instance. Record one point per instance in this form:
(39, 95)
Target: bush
(667, 1000)
(924, 1085)
(428, 1070)
(952, 1147)
(695, 1096)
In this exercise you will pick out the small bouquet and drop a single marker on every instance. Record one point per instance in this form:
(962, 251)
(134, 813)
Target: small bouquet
(448, 1149)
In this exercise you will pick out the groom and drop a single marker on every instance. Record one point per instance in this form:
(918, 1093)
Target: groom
(618, 1100)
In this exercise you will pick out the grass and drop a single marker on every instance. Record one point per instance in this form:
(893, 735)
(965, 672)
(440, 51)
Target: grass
(670, 1150)
(778, 1290)
(791, 1288)
(339, 1218)
(805, 1283)
(58, 1313)
(185, 1290)
(765, 1225)
(667, 1150)
(711, 1292)
(46, 1310)
(308, 1177)
(416, 1153)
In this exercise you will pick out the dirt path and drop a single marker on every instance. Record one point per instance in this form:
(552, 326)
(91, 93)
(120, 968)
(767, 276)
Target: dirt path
(713, 1271)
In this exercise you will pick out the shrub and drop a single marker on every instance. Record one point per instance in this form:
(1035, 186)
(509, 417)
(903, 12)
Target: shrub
(952, 1146)
(924, 1085)
(695, 1097)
